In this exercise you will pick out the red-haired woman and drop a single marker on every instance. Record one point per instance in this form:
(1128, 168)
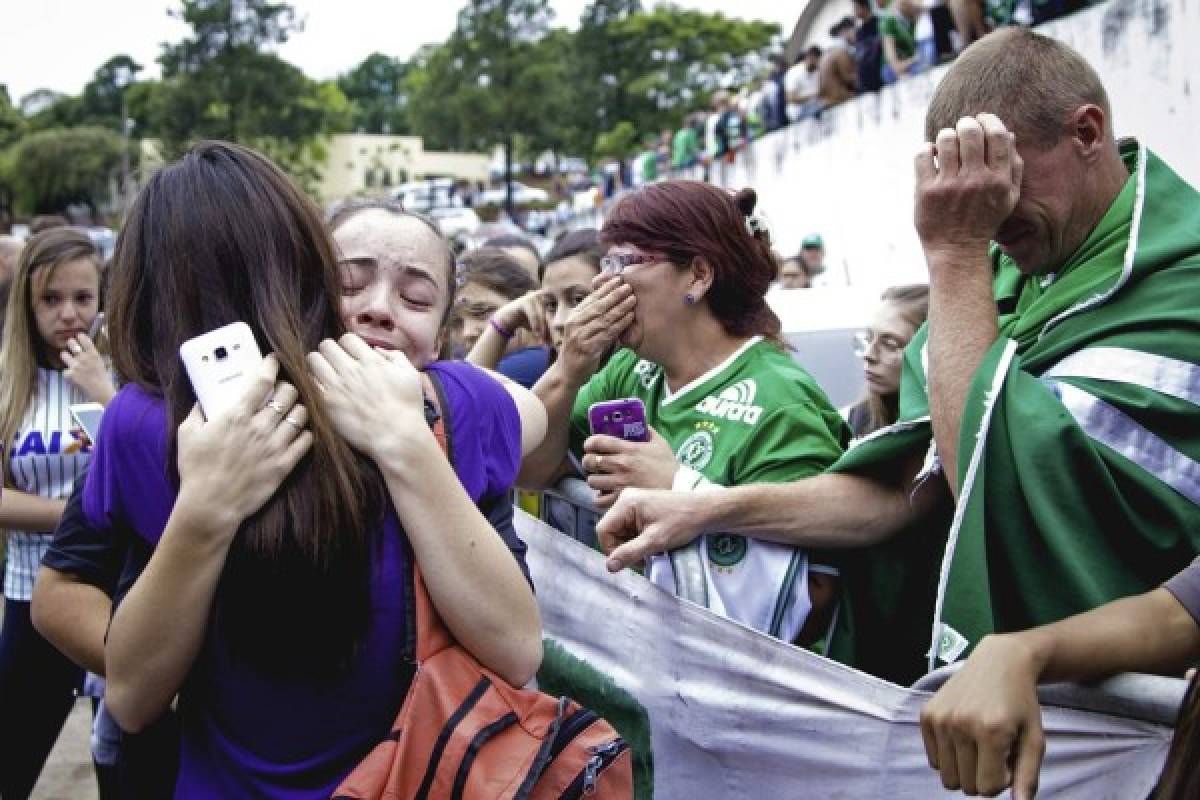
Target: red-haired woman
(682, 291)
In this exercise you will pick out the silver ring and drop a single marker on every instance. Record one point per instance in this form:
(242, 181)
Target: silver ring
(274, 405)
(293, 423)
(74, 346)
(599, 463)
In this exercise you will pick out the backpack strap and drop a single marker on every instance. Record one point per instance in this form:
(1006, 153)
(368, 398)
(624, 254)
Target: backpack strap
(426, 634)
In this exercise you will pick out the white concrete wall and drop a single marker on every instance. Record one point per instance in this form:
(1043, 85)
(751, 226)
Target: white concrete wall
(850, 178)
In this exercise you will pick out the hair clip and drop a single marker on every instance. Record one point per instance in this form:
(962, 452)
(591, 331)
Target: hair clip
(756, 223)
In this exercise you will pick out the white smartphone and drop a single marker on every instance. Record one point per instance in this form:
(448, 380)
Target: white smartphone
(87, 416)
(219, 364)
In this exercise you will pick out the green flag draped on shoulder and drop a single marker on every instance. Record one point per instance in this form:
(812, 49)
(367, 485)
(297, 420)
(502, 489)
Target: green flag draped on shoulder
(1079, 451)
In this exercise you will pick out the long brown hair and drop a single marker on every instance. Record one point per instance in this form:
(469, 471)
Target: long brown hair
(23, 350)
(1180, 778)
(223, 236)
(912, 302)
(685, 220)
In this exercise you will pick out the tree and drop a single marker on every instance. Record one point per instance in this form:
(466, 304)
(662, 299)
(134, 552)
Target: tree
(12, 121)
(376, 90)
(12, 128)
(104, 96)
(45, 108)
(650, 68)
(485, 84)
(620, 142)
(55, 168)
(222, 82)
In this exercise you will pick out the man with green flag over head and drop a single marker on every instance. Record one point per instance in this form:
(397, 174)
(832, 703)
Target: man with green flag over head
(1047, 457)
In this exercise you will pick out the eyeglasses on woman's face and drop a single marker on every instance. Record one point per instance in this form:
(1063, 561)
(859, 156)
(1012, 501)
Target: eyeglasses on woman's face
(886, 346)
(616, 263)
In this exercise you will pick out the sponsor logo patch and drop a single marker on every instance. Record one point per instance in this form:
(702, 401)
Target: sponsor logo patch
(726, 549)
(735, 403)
(696, 450)
(647, 372)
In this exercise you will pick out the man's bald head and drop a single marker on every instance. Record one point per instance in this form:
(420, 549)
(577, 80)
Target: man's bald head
(1031, 82)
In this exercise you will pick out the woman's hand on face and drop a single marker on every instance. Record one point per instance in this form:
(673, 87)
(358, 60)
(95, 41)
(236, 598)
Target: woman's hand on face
(86, 368)
(525, 313)
(231, 464)
(373, 397)
(595, 325)
(614, 464)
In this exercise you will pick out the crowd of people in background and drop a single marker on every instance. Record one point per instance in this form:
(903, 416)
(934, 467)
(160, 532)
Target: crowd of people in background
(873, 46)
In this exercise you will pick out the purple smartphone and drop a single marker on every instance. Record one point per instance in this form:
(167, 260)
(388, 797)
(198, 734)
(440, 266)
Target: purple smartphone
(624, 419)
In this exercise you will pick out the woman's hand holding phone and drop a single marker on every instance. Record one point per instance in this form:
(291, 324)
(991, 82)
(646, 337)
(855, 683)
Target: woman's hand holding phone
(231, 464)
(373, 397)
(614, 464)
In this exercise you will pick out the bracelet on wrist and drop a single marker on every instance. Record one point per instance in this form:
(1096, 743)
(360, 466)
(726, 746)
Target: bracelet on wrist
(500, 329)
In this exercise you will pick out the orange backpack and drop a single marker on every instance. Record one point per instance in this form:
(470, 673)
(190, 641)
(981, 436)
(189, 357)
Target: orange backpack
(465, 733)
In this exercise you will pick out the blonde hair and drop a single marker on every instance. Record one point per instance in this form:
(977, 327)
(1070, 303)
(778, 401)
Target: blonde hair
(22, 349)
(912, 302)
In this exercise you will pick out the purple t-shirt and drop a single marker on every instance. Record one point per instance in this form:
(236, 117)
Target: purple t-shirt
(1186, 588)
(249, 735)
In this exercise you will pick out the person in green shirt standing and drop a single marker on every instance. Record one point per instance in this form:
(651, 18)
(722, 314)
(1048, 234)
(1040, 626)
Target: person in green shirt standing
(1046, 459)
(685, 146)
(898, 32)
(726, 403)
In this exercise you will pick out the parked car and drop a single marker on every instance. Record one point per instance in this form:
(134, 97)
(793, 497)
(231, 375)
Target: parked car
(426, 195)
(521, 195)
(455, 221)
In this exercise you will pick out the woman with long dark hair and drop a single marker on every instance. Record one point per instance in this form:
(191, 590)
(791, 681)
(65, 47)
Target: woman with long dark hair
(683, 293)
(271, 602)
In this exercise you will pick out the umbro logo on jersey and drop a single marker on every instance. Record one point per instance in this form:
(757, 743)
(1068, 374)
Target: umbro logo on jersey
(735, 403)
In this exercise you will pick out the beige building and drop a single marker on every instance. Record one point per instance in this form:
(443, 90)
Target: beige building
(365, 163)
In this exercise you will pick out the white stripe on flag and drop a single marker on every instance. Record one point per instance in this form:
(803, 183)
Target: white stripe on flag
(1113, 428)
(1157, 373)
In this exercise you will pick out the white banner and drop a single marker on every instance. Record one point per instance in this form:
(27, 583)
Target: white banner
(735, 714)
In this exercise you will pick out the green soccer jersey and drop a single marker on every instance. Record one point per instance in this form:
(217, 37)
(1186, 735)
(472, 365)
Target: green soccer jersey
(757, 418)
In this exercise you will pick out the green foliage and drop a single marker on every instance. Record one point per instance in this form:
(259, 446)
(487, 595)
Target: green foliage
(12, 122)
(100, 103)
(504, 70)
(505, 77)
(651, 68)
(377, 93)
(55, 168)
(222, 83)
(489, 81)
(620, 142)
(45, 109)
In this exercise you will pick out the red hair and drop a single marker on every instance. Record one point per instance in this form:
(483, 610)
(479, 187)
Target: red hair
(685, 220)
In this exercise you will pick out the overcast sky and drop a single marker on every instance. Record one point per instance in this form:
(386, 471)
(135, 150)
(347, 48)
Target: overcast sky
(57, 44)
